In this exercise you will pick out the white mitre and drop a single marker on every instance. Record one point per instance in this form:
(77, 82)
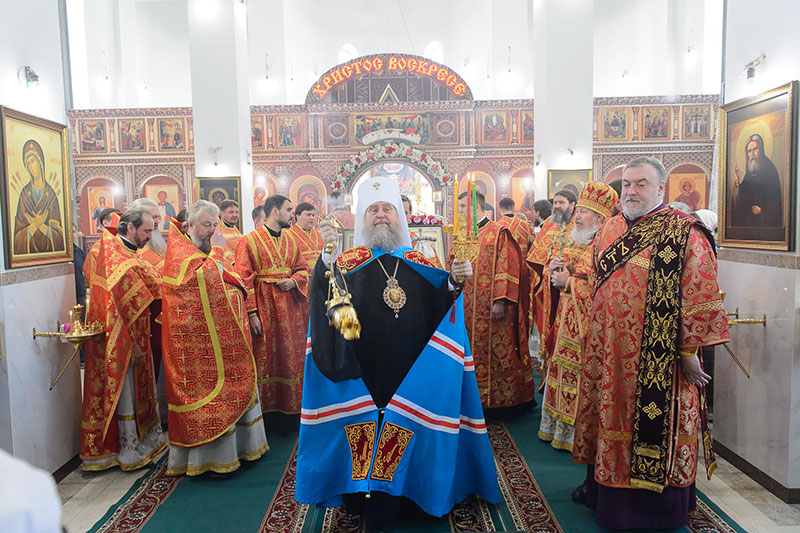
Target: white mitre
(380, 189)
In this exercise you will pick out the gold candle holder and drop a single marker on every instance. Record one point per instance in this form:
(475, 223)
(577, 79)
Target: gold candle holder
(78, 335)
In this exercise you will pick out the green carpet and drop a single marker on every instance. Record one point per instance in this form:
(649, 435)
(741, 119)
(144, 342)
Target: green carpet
(240, 502)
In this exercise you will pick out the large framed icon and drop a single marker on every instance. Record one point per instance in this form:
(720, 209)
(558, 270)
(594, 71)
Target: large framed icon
(757, 174)
(36, 193)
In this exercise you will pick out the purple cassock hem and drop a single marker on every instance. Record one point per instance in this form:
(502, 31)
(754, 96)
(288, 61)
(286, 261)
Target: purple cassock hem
(637, 508)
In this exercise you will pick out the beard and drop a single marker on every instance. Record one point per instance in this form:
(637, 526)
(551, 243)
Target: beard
(754, 165)
(562, 217)
(283, 224)
(386, 237)
(158, 243)
(635, 208)
(203, 244)
(582, 236)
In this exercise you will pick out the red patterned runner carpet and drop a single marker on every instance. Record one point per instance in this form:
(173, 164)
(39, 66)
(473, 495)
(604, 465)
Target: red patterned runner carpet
(523, 503)
(523, 506)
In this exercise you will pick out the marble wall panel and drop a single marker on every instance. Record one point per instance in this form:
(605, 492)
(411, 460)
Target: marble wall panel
(45, 424)
(752, 416)
(6, 443)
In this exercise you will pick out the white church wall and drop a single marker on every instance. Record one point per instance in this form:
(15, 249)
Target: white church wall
(657, 47)
(759, 418)
(37, 425)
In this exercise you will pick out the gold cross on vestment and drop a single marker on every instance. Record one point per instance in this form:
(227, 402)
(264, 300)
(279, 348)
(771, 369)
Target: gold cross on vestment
(377, 185)
(561, 239)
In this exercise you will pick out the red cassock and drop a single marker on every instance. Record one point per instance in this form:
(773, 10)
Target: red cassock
(261, 261)
(123, 286)
(500, 347)
(208, 361)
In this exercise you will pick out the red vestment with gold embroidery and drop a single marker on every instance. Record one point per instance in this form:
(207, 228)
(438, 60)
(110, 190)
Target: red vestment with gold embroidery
(309, 244)
(261, 261)
(552, 241)
(152, 257)
(123, 286)
(500, 347)
(232, 238)
(211, 374)
(608, 395)
(563, 367)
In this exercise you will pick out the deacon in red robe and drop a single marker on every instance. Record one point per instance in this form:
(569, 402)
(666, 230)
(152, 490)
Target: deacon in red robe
(276, 277)
(120, 423)
(641, 403)
(229, 228)
(214, 412)
(494, 318)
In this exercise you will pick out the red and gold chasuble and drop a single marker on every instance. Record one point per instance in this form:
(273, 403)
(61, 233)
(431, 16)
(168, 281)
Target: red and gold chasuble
(261, 261)
(309, 243)
(211, 374)
(155, 260)
(520, 230)
(123, 287)
(500, 348)
(553, 241)
(572, 319)
(610, 407)
(232, 238)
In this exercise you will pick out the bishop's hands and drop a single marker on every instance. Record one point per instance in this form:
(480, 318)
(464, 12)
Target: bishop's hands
(460, 272)
(693, 370)
(558, 273)
(328, 232)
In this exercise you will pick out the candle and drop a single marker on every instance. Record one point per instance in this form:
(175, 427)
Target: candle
(455, 203)
(468, 229)
(474, 210)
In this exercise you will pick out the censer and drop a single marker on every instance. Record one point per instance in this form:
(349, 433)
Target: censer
(341, 313)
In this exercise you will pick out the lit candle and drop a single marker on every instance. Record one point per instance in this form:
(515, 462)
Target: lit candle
(468, 229)
(455, 204)
(474, 209)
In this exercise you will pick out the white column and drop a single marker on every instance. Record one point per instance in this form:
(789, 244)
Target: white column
(562, 87)
(220, 94)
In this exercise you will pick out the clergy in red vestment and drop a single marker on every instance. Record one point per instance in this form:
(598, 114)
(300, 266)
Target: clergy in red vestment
(553, 241)
(109, 218)
(214, 412)
(229, 228)
(120, 425)
(305, 233)
(641, 402)
(562, 370)
(494, 318)
(156, 247)
(276, 276)
(519, 228)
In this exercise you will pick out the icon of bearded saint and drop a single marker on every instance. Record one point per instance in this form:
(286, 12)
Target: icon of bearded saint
(759, 199)
(37, 225)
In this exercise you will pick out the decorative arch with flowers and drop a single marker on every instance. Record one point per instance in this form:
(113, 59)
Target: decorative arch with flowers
(394, 152)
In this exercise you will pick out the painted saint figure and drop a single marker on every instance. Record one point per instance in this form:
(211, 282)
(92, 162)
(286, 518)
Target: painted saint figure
(758, 201)
(37, 225)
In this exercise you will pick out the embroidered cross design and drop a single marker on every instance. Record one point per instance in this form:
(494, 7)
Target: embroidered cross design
(377, 185)
(652, 410)
(667, 254)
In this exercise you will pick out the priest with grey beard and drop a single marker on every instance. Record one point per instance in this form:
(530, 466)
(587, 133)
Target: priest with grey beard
(154, 252)
(400, 299)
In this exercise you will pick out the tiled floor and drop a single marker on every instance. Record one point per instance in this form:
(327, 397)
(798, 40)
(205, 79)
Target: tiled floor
(87, 496)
